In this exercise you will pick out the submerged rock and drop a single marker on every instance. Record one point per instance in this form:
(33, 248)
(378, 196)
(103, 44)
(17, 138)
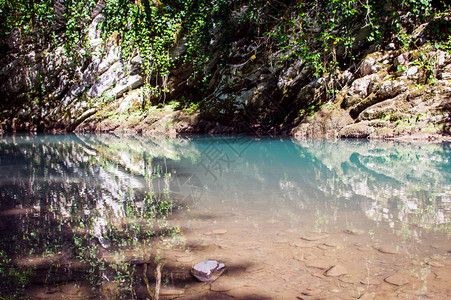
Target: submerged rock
(216, 232)
(434, 263)
(370, 281)
(387, 249)
(171, 291)
(367, 297)
(185, 259)
(397, 279)
(208, 271)
(355, 231)
(336, 271)
(255, 268)
(315, 236)
(319, 264)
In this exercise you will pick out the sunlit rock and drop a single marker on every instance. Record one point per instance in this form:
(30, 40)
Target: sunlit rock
(357, 130)
(401, 59)
(208, 271)
(367, 64)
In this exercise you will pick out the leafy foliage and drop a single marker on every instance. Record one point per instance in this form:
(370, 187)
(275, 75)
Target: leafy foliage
(153, 29)
(29, 18)
(77, 16)
(329, 35)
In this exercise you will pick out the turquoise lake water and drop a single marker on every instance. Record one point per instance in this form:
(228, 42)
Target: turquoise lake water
(75, 209)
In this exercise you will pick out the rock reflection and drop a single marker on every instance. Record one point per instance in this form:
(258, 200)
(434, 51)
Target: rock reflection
(398, 183)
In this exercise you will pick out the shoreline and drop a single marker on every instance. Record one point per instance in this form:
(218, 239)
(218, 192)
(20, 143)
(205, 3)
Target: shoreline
(435, 138)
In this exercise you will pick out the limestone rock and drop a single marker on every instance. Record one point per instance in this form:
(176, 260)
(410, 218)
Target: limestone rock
(434, 263)
(370, 281)
(315, 236)
(112, 57)
(327, 123)
(360, 87)
(446, 75)
(357, 130)
(219, 231)
(216, 232)
(391, 88)
(401, 59)
(322, 247)
(412, 72)
(107, 80)
(126, 84)
(319, 264)
(302, 244)
(335, 271)
(367, 65)
(387, 249)
(355, 231)
(442, 57)
(397, 279)
(346, 77)
(208, 271)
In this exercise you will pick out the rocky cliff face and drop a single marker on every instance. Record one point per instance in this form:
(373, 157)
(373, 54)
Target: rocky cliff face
(392, 95)
(53, 88)
(385, 94)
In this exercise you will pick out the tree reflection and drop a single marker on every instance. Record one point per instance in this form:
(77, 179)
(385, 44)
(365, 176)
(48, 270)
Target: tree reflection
(400, 183)
(69, 203)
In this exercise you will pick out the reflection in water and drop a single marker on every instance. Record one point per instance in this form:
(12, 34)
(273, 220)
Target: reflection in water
(395, 182)
(67, 197)
(76, 210)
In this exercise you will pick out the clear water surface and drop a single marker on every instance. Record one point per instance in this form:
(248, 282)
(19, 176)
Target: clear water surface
(108, 216)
